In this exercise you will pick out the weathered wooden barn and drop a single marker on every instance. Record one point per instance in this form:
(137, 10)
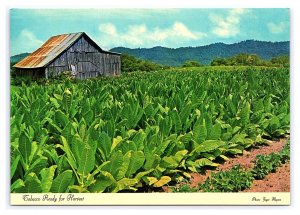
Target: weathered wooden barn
(76, 53)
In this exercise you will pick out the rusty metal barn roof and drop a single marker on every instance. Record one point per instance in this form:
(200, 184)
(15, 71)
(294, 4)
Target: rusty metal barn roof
(51, 49)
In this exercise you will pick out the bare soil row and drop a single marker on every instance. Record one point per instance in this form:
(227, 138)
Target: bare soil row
(274, 182)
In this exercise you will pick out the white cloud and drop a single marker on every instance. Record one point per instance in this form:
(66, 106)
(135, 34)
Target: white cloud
(28, 41)
(140, 35)
(109, 29)
(227, 26)
(182, 31)
(276, 28)
(30, 38)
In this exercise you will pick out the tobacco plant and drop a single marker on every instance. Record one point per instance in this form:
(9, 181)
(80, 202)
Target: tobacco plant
(141, 129)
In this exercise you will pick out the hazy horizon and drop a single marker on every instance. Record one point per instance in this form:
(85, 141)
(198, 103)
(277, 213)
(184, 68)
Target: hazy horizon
(177, 47)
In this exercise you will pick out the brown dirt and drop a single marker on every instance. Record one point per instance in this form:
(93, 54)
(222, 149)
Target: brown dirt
(274, 182)
(244, 160)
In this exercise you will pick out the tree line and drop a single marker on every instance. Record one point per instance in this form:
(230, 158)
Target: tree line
(131, 63)
(251, 60)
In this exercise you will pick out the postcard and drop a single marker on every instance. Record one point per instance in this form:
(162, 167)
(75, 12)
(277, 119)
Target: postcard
(150, 106)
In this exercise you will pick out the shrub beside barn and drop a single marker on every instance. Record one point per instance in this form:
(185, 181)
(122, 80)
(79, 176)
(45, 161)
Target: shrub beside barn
(76, 53)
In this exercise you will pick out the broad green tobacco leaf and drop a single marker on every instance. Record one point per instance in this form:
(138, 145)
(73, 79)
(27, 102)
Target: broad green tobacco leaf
(88, 116)
(47, 175)
(199, 132)
(68, 151)
(37, 165)
(142, 174)
(205, 162)
(18, 184)
(104, 144)
(168, 163)
(176, 121)
(180, 155)
(116, 142)
(61, 183)
(103, 181)
(209, 145)
(162, 147)
(87, 161)
(34, 149)
(14, 166)
(116, 161)
(32, 184)
(125, 184)
(274, 123)
(124, 167)
(151, 161)
(61, 118)
(54, 102)
(136, 162)
(245, 114)
(25, 147)
(235, 151)
(215, 132)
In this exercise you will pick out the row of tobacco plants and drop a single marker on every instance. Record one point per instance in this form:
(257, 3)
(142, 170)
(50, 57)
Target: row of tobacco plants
(238, 178)
(141, 131)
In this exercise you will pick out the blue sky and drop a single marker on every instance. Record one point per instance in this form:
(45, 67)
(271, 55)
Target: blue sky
(135, 28)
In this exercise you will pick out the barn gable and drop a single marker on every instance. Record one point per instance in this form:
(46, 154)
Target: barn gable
(77, 53)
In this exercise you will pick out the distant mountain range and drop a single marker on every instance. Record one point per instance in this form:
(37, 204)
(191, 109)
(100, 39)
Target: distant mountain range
(203, 54)
(16, 58)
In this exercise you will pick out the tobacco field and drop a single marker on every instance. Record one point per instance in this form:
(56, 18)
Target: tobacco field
(141, 131)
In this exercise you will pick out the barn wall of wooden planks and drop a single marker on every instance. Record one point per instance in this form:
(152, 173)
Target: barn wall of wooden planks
(84, 60)
(76, 53)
